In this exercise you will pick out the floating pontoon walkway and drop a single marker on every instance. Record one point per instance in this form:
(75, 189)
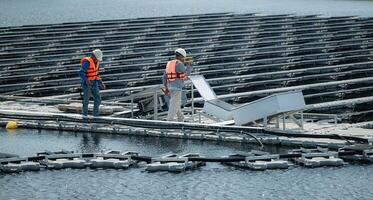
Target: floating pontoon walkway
(178, 130)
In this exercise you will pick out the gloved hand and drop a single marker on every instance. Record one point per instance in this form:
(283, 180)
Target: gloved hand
(88, 83)
(188, 60)
(166, 91)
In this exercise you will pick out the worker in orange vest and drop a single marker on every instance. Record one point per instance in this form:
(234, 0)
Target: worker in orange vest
(91, 81)
(173, 80)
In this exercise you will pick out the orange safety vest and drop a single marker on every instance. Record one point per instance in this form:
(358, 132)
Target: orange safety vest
(171, 71)
(92, 71)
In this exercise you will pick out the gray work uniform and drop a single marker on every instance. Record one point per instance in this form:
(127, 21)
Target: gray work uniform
(175, 88)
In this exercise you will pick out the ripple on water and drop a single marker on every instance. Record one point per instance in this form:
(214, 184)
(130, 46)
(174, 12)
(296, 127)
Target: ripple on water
(213, 181)
(210, 182)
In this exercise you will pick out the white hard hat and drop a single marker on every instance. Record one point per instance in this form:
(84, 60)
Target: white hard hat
(98, 54)
(181, 52)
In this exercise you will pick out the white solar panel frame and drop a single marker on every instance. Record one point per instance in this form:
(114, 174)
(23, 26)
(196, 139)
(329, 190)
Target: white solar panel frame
(203, 87)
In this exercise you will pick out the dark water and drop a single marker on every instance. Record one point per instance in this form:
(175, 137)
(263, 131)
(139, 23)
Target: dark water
(26, 12)
(213, 181)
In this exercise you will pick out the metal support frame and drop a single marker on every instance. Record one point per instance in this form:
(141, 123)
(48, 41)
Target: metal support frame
(299, 123)
(330, 116)
(199, 117)
(277, 121)
(155, 105)
(192, 96)
(131, 104)
(301, 120)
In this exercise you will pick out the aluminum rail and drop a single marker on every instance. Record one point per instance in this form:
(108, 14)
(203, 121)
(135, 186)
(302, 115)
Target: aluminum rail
(119, 43)
(198, 17)
(127, 60)
(176, 22)
(166, 39)
(200, 36)
(169, 31)
(159, 22)
(264, 37)
(206, 59)
(160, 39)
(286, 51)
(116, 92)
(214, 80)
(200, 68)
(106, 62)
(226, 29)
(231, 71)
(275, 77)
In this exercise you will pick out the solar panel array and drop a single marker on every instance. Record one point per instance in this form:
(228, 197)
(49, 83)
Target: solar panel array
(243, 56)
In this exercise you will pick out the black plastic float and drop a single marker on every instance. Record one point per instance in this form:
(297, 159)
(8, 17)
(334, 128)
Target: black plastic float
(255, 160)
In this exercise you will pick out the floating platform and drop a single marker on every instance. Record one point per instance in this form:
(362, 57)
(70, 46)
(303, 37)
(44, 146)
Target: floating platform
(258, 160)
(113, 160)
(182, 130)
(174, 163)
(15, 165)
(317, 158)
(64, 161)
(357, 153)
(254, 160)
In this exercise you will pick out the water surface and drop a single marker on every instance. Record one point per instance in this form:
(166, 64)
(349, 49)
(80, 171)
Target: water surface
(213, 181)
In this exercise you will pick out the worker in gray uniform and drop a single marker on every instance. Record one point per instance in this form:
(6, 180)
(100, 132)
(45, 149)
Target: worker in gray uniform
(174, 76)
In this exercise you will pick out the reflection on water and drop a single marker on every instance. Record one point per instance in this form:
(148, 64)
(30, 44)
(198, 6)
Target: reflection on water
(90, 142)
(214, 181)
(25, 142)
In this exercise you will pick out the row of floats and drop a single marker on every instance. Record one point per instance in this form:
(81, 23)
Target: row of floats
(254, 160)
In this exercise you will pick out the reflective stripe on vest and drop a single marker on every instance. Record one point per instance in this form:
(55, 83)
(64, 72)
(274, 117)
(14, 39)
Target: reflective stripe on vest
(171, 71)
(92, 70)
